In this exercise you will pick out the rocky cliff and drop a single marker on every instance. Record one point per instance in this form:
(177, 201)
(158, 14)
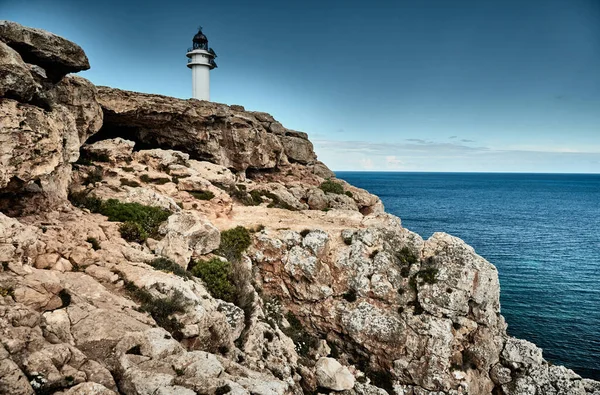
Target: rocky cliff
(151, 245)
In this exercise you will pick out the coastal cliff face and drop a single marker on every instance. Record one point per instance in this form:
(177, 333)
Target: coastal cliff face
(152, 245)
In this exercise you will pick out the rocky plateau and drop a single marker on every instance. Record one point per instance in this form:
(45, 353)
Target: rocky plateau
(153, 245)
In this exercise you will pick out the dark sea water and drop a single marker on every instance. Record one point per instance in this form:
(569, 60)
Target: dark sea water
(542, 232)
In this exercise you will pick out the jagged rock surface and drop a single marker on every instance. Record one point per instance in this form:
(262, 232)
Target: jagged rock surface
(49, 51)
(333, 293)
(207, 131)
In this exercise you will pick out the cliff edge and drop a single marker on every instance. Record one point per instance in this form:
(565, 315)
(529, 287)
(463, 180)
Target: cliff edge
(152, 245)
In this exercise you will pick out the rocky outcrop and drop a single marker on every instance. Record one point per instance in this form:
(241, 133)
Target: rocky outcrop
(186, 234)
(217, 133)
(324, 292)
(44, 117)
(53, 53)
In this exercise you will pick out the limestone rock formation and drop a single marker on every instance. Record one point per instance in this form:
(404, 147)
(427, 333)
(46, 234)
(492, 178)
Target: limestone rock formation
(207, 131)
(49, 51)
(331, 374)
(324, 291)
(44, 117)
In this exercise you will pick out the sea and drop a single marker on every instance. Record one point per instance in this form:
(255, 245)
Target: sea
(542, 232)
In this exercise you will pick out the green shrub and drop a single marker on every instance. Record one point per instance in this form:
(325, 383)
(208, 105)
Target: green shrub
(428, 275)
(234, 242)
(406, 256)
(148, 218)
(94, 176)
(168, 265)
(94, 242)
(332, 187)
(128, 169)
(349, 194)
(83, 200)
(132, 231)
(202, 195)
(129, 183)
(216, 275)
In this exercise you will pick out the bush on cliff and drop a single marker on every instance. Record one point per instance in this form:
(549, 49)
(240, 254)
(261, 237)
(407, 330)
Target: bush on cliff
(234, 242)
(139, 221)
(332, 187)
(148, 218)
(216, 275)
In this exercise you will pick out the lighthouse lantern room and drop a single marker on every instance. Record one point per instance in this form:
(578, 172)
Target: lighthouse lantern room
(201, 61)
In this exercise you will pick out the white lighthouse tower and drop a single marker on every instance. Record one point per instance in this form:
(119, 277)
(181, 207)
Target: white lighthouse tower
(201, 61)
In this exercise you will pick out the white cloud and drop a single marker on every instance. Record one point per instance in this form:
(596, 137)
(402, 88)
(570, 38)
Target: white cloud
(422, 155)
(367, 163)
(393, 162)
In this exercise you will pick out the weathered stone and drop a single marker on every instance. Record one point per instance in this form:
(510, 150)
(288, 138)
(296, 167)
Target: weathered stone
(187, 233)
(55, 54)
(331, 374)
(115, 149)
(16, 81)
(298, 150)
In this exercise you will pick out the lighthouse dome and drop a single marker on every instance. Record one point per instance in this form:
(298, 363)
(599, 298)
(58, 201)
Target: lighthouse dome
(200, 38)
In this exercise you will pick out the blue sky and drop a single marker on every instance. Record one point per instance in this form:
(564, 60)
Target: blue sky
(422, 85)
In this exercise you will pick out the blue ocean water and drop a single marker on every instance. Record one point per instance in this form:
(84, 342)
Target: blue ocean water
(542, 232)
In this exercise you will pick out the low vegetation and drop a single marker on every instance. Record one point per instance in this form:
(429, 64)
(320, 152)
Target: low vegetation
(160, 308)
(406, 256)
(202, 195)
(332, 187)
(167, 265)
(233, 242)
(217, 276)
(139, 221)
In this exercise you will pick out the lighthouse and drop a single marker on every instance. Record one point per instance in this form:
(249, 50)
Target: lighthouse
(201, 61)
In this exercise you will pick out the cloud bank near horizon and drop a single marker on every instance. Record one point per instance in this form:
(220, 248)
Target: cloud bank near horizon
(458, 155)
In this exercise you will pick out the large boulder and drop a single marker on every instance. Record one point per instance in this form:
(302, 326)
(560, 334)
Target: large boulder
(55, 54)
(332, 375)
(16, 81)
(187, 233)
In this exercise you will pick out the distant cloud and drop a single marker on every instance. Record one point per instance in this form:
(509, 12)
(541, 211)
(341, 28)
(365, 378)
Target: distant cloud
(423, 155)
(420, 141)
(453, 137)
(367, 164)
(393, 162)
